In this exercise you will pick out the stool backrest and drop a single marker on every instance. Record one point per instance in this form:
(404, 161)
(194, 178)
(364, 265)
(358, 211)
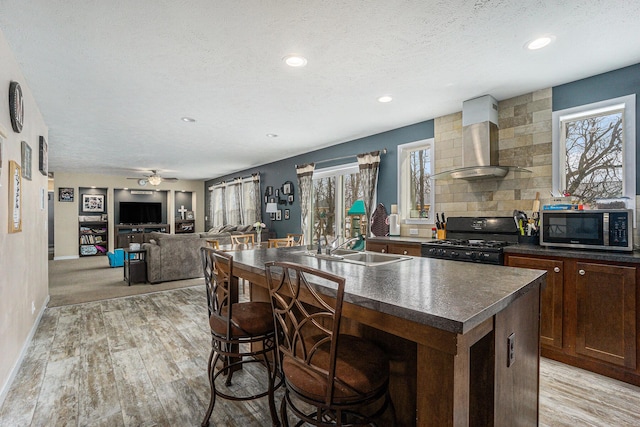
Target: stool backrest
(281, 243)
(308, 320)
(244, 239)
(298, 239)
(218, 278)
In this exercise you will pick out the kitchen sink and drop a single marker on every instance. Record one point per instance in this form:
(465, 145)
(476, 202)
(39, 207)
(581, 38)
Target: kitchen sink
(368, 259)
(371, 259)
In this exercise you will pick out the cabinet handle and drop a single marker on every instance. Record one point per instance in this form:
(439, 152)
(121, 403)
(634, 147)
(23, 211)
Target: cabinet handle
(556, 269)
(581, 272)
(404, 252)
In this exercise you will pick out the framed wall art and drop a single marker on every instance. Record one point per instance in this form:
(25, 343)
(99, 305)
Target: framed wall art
(43, 159)
(26, 160)
(279, 215)
(287, 214)
(15, 197)
(16, 106)
(65, 194)
(93, 203)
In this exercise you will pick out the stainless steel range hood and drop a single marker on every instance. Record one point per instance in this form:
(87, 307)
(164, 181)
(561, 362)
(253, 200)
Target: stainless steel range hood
(479, 142)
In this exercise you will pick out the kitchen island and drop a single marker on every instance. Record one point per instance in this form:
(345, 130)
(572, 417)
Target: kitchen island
(447, 326)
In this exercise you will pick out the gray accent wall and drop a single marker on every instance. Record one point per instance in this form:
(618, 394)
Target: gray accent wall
(277, 173)
(613, 84)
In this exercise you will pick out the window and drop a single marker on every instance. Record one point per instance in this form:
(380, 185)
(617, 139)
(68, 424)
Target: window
(334, 191)
(415, 188)
(236, 202)
(594, 150)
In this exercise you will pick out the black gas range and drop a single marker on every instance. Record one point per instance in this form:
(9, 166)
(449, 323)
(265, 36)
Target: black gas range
(474, 239)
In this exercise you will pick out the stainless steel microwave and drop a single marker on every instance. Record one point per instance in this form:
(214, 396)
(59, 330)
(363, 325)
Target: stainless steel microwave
(610, 230)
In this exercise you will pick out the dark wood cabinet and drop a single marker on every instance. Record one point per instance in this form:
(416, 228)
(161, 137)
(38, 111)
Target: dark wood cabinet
(401, 248)
(185, 226)
(377, 247)
(606, 313)
(137, 233)
(124, 239)
(589, 314)
(551, 307)
(405, 249)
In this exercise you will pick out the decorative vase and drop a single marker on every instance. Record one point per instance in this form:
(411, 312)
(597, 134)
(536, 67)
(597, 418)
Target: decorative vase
(258, 236)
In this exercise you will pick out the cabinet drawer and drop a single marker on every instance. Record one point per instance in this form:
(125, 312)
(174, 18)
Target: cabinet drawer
(377, 247)
(404, 249)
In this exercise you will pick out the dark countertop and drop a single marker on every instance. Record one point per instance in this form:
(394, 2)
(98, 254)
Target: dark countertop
(400, 239)
(527, 249)
(616, 257)
(447, 295)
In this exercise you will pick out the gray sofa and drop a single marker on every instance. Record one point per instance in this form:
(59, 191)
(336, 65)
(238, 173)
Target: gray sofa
(177, 256)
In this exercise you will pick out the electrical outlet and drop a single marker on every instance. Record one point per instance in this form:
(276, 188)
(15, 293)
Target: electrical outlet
(413, 231)
(511, 349)
(33, 307)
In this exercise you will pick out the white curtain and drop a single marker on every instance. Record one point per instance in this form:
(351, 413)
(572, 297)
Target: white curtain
(216, 205)
(233, 201)
(236, 203)
(369, 163)
(305, 183)
(251, 201)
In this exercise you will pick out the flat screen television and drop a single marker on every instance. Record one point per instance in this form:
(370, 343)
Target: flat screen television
(140, 213)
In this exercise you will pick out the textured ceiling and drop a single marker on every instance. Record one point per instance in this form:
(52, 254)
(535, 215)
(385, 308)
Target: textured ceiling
(113, 78)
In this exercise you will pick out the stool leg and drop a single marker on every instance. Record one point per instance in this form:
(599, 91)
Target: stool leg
(211, 371)
(271, 373)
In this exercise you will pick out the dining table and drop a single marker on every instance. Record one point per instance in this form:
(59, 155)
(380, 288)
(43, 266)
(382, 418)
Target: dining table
(463, 342)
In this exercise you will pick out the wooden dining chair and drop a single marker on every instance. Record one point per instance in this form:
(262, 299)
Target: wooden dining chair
(281, 242)
(241, 333)
(298, 239)
(212, 243)
(344, 378)
(243, 239)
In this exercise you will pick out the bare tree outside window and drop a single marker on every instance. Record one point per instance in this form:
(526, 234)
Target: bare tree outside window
(333, 195)
(324, 207)
(593, 160)
(420, 189)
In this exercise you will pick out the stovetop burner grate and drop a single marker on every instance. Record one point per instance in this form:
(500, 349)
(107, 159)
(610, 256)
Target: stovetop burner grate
(473, 243)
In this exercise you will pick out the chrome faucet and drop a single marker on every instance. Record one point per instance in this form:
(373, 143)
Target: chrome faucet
(331, 249)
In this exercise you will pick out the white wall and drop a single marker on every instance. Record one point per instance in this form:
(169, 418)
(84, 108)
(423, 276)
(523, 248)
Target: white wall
(23, 255)
(66, 214)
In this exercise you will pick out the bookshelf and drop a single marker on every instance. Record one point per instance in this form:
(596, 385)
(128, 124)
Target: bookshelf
(93, 238)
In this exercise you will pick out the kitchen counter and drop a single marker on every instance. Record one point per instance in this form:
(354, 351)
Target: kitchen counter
(431, 292)
(446, 327)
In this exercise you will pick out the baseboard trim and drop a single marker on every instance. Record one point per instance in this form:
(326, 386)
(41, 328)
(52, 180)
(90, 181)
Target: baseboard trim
(58, 258)
(16, 367)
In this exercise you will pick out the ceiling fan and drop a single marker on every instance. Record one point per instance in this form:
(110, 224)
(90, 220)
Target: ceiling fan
(153, 179)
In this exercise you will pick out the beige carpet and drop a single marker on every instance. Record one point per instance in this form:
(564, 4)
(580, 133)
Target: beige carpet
(88, 279)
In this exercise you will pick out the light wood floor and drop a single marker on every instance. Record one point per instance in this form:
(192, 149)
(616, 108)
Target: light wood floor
(141, 361)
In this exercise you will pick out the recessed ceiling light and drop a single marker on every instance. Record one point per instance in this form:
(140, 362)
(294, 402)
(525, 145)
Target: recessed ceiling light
(385, 98)
(188, 119)
(272, 135)
(539, 43)
(295, 60)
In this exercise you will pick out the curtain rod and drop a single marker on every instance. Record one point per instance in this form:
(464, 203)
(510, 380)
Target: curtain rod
(383, 151)
(238, 177)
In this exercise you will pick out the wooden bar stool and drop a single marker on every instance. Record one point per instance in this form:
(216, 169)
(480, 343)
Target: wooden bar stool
(339, 375)
(247, 240)
(298, 239)
(281, 242)
(212, 243)
(234, 328)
